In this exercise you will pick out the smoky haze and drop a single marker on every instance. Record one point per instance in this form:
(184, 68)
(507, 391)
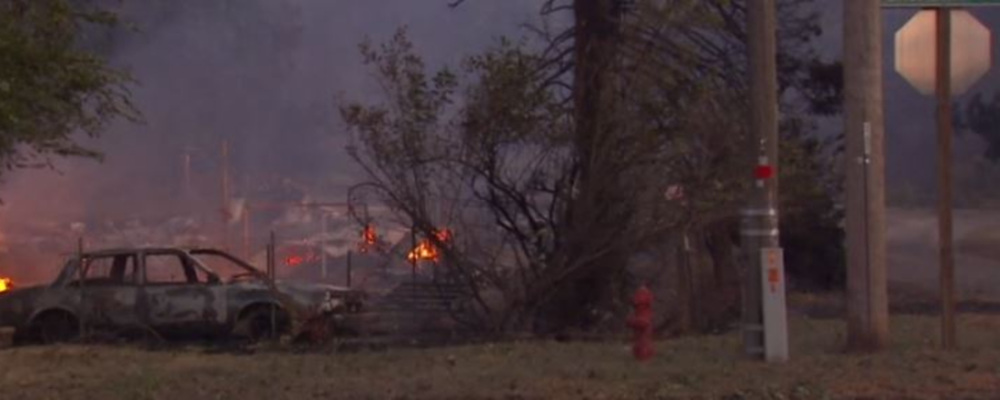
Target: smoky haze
(266, 75)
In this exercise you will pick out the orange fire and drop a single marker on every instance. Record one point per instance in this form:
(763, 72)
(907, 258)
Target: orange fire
(425, 251)
(6, 284)
(368, 238)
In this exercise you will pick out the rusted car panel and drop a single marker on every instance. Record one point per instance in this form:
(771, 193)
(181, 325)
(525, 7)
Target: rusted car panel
(119, 291)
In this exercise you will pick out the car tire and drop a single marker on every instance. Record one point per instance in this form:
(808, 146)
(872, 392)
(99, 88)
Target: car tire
(56, 327)
(255, 324)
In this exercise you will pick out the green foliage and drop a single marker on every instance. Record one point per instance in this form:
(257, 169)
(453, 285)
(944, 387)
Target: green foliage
(982, 117)
(811, 232)
(49, 88)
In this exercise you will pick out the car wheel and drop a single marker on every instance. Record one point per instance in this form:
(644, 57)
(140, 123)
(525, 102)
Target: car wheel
(256, 323)
(56, 327)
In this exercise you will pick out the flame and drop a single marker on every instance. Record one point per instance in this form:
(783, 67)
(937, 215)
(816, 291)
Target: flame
(426, 250)
(368, 238)
(6, 284)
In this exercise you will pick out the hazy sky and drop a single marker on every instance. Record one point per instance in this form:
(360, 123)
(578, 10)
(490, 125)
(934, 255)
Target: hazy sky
(270, 75)
(267, 74)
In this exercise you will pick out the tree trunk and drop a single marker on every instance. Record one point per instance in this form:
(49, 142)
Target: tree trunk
(595, 52)
(595, 44)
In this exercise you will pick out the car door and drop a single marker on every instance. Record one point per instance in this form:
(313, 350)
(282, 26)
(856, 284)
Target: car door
(110, 291)
(177, 296)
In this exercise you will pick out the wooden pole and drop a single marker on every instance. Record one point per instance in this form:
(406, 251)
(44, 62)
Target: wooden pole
(943, 91)
(322, 248)
(81, 276)
(867, 298)
(272, 276)
(186, 160)
(761, 226)
(246, 232)
(413, 247)
(349, 268)
(225, 194)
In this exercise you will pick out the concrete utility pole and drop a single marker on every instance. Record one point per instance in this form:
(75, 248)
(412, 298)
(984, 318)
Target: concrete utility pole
(943, 84)
(867, 301)
(760, 231)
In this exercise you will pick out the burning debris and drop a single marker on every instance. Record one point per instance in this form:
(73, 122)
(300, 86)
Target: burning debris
(369, 239)
(426, 251)
(6, 284)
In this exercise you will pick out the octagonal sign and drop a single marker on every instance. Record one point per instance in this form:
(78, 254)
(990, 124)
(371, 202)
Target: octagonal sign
(971, 51)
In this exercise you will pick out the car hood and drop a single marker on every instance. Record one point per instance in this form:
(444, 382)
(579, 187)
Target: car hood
(310, 286)
(298, 287)
(16, 305)
(23, 292)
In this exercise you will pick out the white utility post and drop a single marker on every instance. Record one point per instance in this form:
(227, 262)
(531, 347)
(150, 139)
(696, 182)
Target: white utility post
(775, 314)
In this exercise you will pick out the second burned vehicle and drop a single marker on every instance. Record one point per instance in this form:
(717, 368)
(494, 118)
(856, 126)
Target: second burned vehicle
(171, 291)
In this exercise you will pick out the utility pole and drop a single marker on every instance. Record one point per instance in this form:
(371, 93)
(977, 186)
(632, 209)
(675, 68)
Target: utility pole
(322, 246)
(764, 331)
(186, 163)
(943, 92)
(246, 232)
(225, 194)
(867, 301)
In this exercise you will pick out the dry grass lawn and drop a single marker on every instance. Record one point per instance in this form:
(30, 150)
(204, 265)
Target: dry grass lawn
(704, 367)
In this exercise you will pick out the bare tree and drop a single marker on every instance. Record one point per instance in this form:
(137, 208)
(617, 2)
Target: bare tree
(554, 163)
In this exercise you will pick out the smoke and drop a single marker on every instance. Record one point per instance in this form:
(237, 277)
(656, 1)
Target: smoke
(264, 75)
(267, 75)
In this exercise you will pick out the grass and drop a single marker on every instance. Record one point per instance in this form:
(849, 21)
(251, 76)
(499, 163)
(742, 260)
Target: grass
(700, 367)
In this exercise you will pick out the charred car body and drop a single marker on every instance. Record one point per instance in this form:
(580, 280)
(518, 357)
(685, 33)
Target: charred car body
(169, 291)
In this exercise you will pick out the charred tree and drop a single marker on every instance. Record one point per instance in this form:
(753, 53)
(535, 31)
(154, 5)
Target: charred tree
(597, 36)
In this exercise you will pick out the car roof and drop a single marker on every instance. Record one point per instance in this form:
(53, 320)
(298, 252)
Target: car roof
(131, 250)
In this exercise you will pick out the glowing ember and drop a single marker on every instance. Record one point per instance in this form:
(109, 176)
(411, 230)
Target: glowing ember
(293, 261)
(6, 284)
(444, 235)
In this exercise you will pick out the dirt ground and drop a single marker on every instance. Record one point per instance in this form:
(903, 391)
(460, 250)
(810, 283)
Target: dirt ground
(702, 367)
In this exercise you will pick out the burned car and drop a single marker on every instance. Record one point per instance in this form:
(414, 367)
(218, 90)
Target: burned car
(170, 292)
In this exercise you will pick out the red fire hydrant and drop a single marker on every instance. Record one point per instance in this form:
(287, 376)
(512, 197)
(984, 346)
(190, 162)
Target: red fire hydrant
(641, 322)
